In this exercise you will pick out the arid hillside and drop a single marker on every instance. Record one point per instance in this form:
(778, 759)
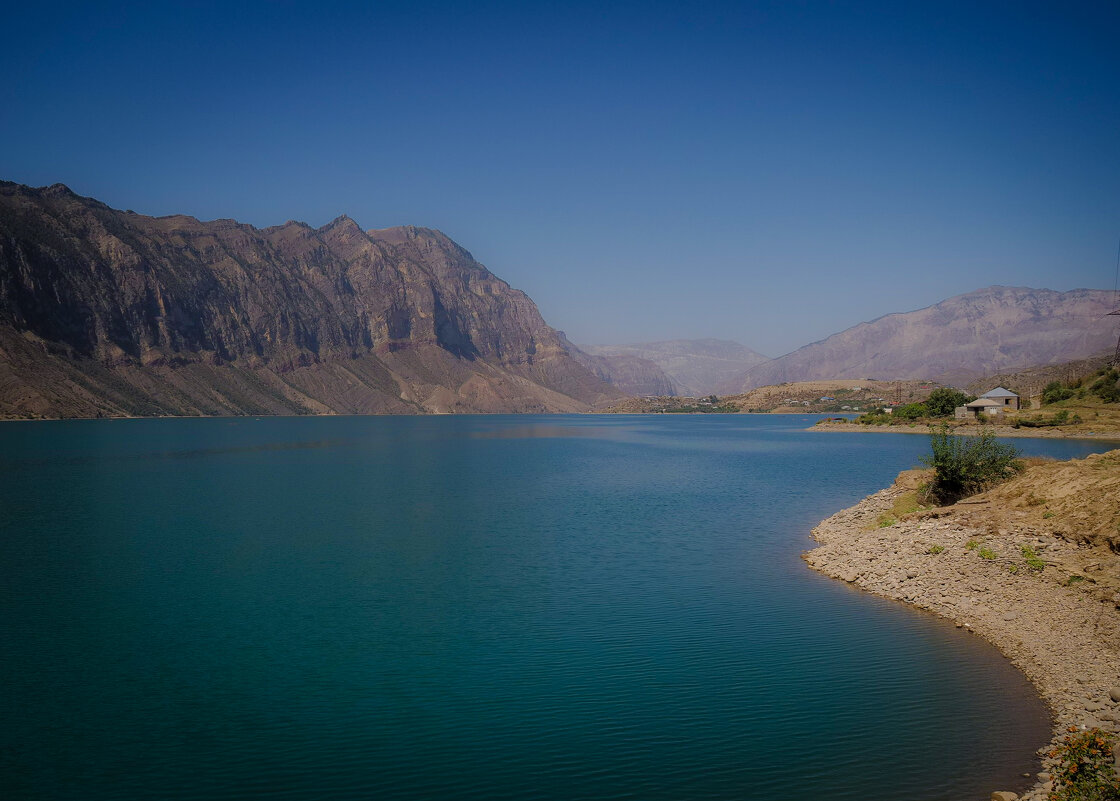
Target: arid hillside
(830, 396)
(958, 340)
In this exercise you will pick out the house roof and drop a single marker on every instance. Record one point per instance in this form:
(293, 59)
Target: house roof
(982, 402)
(999, 392)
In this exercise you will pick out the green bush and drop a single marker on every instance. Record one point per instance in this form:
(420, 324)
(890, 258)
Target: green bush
(964, 466)
(1106, 387)
(911, 411)
(986, 553)
(1060, 417)
(1054, 392)
(944, 400)
(1086, 768)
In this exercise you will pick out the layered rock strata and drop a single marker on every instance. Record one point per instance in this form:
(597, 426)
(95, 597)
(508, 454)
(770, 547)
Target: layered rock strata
(104, 312)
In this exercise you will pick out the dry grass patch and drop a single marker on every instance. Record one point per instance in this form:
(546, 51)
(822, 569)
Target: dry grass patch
(908, 502)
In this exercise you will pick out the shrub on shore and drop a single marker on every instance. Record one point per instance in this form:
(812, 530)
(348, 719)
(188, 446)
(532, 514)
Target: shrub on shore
(964, 466)
(1060, 418)
(944, 400)
(911, 411)
(1086, 767)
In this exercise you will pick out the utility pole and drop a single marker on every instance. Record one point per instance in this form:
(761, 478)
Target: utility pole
(1116, 355)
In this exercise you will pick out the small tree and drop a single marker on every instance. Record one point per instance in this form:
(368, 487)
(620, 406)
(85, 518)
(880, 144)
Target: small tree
(1106, 387)
(943, 401)
(964, 466)
(1054, 392)
(911, 411)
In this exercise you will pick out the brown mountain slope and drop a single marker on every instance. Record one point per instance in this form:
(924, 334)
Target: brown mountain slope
(109, 312)
(1029, 381)
(967, 336)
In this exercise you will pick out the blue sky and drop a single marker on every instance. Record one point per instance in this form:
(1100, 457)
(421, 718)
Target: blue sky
(765, 172)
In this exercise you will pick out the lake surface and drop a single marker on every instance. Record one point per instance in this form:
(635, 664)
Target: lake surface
(554, 607)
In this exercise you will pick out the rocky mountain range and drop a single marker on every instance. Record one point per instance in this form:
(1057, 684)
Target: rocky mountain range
(991, 330)
(112, 313)
(695, 367)
(108, 313)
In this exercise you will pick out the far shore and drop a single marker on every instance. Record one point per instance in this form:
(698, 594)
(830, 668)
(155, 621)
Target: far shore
(1055, 432)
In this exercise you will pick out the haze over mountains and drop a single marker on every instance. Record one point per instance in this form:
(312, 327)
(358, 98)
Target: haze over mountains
(110, 313)
(629, 372)
(954, 341)
(695, 366)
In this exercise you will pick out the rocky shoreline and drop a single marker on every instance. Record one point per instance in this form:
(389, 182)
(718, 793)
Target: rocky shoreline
(1057, 432)
(1056, 616)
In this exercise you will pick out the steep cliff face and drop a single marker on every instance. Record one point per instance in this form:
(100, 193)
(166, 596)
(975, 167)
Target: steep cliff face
(967, 336)
(111, 312)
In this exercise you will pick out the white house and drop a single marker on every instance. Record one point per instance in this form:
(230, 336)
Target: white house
(980, 406)
(1006, 398)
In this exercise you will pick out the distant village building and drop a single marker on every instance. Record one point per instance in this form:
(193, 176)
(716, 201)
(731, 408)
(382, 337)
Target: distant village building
(995, 402)
(1006, 397)
(978, 407)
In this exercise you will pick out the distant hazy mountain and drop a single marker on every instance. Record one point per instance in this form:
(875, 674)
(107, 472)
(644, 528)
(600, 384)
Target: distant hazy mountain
(626, 372)
(104, 312)
(697, 367)
(967, 336)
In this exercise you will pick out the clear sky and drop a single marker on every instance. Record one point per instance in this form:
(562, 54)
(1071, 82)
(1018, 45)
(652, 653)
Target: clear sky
(765, 172)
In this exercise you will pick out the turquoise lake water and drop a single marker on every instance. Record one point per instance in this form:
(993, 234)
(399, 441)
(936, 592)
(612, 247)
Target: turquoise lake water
(553, 607)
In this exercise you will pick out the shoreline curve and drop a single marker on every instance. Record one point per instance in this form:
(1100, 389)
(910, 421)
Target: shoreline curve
(1066, 640)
